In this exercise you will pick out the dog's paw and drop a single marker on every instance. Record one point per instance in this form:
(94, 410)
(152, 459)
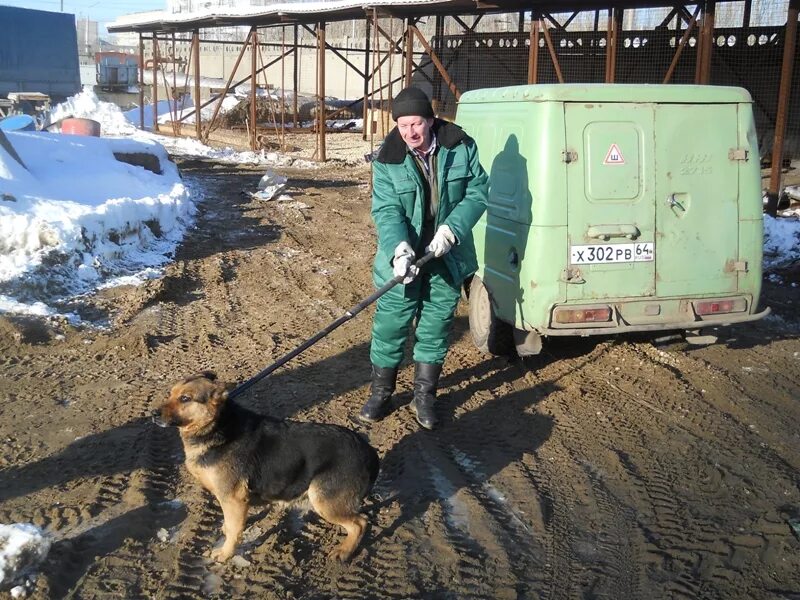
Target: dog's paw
(221, 554)
(340, 554)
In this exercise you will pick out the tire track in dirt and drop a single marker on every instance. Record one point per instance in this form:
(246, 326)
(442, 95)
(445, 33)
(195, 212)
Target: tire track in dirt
(656, 475)
(592, 540)
(663, 520)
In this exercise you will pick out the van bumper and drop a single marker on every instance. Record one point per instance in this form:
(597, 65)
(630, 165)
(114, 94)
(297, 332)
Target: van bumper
(696, 323)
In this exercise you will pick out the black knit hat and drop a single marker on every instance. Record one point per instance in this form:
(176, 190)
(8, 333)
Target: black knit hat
(411, 102)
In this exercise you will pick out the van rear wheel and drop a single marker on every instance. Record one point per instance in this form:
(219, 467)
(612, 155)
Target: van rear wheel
(490, 334)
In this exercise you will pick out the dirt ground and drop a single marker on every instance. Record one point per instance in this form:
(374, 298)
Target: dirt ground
(625, 467)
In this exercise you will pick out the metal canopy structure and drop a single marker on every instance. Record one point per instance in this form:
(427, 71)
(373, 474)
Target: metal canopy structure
(345, 10)
(694, 33)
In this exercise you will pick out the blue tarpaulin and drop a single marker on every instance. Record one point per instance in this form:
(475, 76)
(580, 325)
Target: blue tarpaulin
(38, 52)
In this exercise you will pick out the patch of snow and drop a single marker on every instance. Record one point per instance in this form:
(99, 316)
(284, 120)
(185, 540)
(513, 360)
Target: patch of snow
(22, 548)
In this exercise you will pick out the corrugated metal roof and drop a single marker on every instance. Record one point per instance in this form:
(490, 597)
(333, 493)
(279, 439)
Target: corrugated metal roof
(341, 10)
(274, 14)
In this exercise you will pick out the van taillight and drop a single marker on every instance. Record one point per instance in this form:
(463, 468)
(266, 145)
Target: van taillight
(583, 315)
(713, 307)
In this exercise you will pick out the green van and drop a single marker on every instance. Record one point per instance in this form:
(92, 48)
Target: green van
(613, 208)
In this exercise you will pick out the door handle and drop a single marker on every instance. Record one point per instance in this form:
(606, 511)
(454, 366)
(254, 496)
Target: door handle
(606, 232)
(672, 202)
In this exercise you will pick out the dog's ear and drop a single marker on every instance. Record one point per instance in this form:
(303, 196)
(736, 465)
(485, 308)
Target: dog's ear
(210, 375)
(219, 395)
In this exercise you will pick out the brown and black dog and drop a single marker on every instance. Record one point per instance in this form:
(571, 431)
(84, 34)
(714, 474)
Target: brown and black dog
(243, 457)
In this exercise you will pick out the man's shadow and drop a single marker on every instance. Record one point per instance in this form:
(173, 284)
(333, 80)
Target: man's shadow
(465, 451)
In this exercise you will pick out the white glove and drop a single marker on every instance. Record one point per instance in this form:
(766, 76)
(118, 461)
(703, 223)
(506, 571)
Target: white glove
(403, 263)
(442, 241)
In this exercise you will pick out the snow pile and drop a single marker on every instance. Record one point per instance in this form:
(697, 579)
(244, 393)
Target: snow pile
(164, 110)
(781, 241)
(206, 113)
(86, 105)
(22, 548)
(114, 122)
(77, 217)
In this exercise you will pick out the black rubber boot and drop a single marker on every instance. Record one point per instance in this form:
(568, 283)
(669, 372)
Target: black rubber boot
(383, 381)
(426, 379)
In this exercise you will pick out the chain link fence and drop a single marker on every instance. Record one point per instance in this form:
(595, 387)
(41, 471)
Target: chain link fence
(494, 51)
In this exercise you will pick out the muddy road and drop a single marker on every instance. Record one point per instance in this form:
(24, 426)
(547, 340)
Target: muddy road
(605, 468)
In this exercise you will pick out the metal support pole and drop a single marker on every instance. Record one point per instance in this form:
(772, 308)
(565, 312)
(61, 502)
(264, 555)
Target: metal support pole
(198, 122)
(367, 77)
(283, 89)
(174, 99)
(787, 67)
(253, 85)
(409, 39)
(533, 51)
(612, 43)
(321, 156)
(439, 48)
(141, 81)
(681, 46)
(552, 50)
(376, 55)
(437, 63)
(227, 86)
(296, 75)
(708, 42)
(155, 82)
(609, 43)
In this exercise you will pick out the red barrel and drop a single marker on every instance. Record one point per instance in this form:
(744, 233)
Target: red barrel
(79, 126)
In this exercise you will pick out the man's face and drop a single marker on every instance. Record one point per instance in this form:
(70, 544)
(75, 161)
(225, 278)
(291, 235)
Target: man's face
(415, 131)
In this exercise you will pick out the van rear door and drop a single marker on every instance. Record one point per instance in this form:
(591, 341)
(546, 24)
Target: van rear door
(697, 189)
(611, 191)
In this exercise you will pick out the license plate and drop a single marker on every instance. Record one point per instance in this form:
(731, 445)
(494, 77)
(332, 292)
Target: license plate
(611, 253)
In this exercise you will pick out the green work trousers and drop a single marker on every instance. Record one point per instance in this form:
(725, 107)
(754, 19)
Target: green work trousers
(431, 299)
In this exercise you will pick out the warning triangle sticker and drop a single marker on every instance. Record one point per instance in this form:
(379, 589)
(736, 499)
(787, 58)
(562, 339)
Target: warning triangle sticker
(614, 156)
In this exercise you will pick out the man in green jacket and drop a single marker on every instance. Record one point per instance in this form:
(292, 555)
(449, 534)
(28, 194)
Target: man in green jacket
(428, 191)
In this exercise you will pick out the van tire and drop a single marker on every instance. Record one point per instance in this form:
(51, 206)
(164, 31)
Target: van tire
(490, 334)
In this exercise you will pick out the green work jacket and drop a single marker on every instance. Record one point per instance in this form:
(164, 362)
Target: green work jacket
(398, 199)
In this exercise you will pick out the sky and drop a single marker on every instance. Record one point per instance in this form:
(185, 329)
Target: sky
(103, 11)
